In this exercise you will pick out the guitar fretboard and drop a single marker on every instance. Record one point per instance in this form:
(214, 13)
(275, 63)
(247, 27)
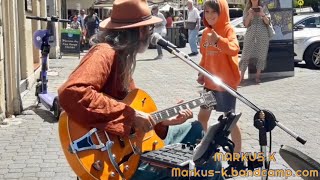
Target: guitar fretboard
(174, 111)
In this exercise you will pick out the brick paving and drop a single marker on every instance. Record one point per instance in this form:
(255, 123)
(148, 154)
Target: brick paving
(30, 147)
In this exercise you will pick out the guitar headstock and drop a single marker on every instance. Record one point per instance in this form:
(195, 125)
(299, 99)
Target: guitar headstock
(209, 99)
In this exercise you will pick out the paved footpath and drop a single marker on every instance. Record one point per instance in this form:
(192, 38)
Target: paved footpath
(30, 147)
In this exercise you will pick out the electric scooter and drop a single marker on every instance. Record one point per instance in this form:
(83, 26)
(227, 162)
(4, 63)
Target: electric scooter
(41, 41)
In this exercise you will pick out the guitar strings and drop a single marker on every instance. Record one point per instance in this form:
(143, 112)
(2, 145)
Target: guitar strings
(172, 110)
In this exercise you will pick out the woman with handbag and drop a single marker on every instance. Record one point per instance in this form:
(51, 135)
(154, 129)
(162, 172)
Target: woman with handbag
(257, 20)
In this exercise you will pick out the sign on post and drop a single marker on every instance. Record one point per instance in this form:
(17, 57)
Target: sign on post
(70, 42)
(300, 3)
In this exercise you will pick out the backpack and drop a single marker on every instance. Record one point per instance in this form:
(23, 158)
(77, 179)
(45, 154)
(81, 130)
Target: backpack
(182, 40)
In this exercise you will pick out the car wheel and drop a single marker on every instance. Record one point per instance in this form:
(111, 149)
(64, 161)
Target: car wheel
(312, 56)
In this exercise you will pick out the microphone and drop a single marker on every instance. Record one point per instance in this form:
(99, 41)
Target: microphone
(157, 39)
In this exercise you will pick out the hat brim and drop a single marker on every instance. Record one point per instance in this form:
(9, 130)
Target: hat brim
(108, 24)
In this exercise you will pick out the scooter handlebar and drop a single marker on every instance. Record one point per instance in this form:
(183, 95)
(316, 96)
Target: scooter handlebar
(48, 19)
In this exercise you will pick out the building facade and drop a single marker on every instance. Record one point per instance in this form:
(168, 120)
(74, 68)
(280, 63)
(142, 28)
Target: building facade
(19, 60)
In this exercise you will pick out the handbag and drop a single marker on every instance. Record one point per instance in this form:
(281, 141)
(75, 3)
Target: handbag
(271, 31)
(190, 25)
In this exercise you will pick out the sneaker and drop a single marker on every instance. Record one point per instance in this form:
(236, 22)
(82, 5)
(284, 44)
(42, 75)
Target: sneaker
(235, 165)
(193, 54)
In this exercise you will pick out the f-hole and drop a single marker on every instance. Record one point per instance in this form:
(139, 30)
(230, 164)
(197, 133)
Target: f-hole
(143, 101)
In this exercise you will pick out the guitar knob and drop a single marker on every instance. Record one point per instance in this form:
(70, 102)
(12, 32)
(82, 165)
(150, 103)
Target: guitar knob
(188, 144)
(126, 167)
(113, 174)
(191, 148)
(113, 156)
(154, 144)
(97, 165)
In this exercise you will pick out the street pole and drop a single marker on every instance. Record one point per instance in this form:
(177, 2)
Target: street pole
(184, 13)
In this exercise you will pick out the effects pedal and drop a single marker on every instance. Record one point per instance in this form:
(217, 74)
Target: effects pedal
(171, 156)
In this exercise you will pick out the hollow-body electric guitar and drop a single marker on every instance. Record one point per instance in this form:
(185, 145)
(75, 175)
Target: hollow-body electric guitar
(95, 154)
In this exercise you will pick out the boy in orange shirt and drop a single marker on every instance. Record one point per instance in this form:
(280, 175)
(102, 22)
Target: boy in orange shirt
(219, 48)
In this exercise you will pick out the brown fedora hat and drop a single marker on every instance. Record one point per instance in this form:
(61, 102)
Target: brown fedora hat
(129, 14)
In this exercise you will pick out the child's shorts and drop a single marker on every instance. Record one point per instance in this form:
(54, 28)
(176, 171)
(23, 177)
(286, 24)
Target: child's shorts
(225, 101)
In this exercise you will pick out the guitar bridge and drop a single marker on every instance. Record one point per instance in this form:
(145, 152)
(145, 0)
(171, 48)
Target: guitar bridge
(85, 142)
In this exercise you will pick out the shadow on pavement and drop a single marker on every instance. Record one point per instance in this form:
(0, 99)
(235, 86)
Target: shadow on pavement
(44, 114)
(250, 82)
(301, 65)
(247, 82)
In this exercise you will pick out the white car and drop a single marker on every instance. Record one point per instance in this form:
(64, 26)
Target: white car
(240, 30)
(307, 39)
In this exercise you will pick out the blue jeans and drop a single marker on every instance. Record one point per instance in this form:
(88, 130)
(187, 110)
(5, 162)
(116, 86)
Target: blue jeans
(186, 132)
(193, 39)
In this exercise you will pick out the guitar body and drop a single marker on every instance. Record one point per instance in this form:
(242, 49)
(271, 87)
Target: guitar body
(96, 164)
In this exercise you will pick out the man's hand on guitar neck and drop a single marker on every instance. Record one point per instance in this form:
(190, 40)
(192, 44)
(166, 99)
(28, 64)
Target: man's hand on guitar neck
(143, 121)
(183, 116)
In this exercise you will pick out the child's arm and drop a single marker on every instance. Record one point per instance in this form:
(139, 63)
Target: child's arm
(229, 45)
(248, 17)
(202, 49)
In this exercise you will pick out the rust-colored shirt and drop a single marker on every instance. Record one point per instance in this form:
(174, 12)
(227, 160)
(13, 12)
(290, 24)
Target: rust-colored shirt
(82, 95)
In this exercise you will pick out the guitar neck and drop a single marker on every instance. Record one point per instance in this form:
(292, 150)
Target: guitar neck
(174, 111)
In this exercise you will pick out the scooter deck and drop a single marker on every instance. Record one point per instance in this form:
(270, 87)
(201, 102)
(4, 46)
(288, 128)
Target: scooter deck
(47, 99)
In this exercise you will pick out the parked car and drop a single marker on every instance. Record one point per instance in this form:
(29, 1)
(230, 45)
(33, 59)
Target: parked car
(240, 30)
(306, 37)
(235, 13)
(308, 50)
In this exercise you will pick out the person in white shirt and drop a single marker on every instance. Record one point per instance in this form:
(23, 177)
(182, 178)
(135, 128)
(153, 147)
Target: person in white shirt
(159, 28)
(193, 16)
(81, 18)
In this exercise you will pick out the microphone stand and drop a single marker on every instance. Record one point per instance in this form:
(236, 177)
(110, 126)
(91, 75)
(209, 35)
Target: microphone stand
(264, 120)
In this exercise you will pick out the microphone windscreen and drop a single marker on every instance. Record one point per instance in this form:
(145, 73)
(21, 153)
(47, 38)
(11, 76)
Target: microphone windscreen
(155, 38)
(297, 160)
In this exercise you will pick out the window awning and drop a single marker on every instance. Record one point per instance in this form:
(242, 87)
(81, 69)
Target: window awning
(103, 6)
(79, 4)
